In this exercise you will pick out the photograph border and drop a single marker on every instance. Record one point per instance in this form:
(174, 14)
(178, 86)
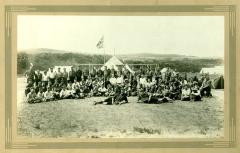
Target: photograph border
(10, 143)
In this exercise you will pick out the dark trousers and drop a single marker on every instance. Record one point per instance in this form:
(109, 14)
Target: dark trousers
(206, 91)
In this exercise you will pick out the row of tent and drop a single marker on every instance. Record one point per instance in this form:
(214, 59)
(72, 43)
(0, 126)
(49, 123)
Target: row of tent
(115, 63)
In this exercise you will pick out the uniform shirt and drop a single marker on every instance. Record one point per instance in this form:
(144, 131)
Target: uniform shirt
(40, 95)
(186, 92)
(143, 81)
(69, 92)
(31, 95)
(51, 75)
(154, 81)
(75, 85)
(102, 89)
(89, 81)
(48, 94)
(185, 82)
(148, 84)
(45, 77)
(113, 80)
(206, 83)
(64, 93)
(100, 83)
(58, 74)
(65, 75)
(119, 80)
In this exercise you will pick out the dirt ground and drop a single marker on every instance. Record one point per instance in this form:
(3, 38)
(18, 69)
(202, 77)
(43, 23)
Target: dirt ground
(80, 118)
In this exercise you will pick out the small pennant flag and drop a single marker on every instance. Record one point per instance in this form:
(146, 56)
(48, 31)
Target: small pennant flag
(100, 43)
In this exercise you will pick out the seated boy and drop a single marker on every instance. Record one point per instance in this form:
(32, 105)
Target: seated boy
(31, 96)
(121, 97)
(40, 95)
(55, 93)
(65, 93)
(195, 94)
(143, 95)
(48, 96)
(28, 87)
(205, 89)
(186, 91)
(75, 89)
(102, 90)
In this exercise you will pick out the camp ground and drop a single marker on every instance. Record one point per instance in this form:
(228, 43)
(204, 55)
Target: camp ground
(80, 118)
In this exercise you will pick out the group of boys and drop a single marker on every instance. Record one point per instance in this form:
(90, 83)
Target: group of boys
(151, 86)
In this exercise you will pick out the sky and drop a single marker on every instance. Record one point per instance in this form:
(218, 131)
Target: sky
(201, 36)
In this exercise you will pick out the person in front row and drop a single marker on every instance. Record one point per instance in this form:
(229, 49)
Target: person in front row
(31, 96)
(142, 95)
(205, 89)
(65, 93)
(75, 88)
(109, 100)
(48, 95)
(195, 94)
(55, 93)
(102, 90)
(166, 95)
(40, 95)
(121, 97)
(186, 91)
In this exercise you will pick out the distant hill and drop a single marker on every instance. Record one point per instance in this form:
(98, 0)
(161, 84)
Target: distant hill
(139, 56)
(149, 56)
(44, 58)
(42, 50)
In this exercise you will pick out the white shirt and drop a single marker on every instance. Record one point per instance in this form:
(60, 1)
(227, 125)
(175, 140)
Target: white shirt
(113, 81)
(40, 95)
(185, 82)
(148, 84)
(75, 85)
(186, 92)
(63, 93)
(51, 74)
(119, 80)
(102, 89)
(48, 94)
(143, 81)
(45, 77)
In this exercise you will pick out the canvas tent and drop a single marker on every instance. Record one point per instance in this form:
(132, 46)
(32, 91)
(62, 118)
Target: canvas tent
(166, 69)
(113, 62)
(218, 83)
(213, 70)
(128, 68)
(68, 68)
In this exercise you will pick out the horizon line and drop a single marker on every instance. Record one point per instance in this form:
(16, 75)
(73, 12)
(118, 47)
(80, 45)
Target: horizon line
(116, 54)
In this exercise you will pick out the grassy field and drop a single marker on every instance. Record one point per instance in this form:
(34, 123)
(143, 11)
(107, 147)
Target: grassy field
(80, 118)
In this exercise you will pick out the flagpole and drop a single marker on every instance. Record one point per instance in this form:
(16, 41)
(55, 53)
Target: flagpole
(104, 63)
(104, 54)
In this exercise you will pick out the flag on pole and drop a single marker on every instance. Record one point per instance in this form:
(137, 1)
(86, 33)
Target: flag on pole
(100, 43)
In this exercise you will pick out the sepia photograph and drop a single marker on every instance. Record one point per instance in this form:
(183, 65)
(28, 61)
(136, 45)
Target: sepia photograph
(86, 76)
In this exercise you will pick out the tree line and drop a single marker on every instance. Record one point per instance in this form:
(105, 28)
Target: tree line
(43, 61)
